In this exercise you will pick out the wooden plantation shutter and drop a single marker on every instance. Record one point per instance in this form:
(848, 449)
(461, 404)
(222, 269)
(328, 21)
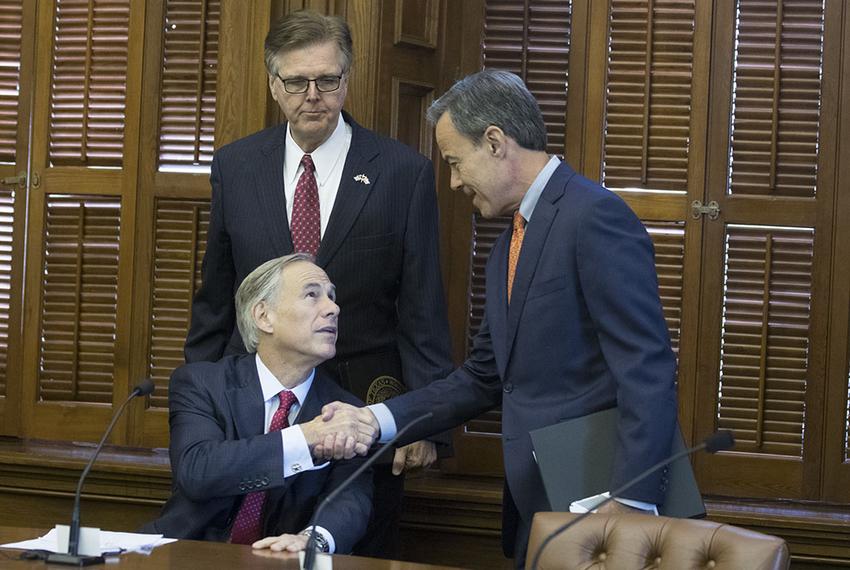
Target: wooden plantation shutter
(177, 186)
(189, 72)
(81, 206)
(668, 238)
(7, 210)
(79, 296)
(764, 343)
(648, 107)
(846, 457)
(11, 20)
(89, 82)
(180, 241)
(777, 98)
(763, 278)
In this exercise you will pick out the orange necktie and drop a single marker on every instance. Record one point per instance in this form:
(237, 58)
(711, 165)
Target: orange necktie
(516, 245)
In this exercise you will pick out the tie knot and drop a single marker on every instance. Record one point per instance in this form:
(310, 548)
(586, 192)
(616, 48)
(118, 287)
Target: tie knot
(287, 399)
(307, 163)
(519, 221)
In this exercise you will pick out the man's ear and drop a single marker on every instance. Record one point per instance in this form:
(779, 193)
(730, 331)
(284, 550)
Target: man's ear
(272, 79)
(262, 317)
(495, 140)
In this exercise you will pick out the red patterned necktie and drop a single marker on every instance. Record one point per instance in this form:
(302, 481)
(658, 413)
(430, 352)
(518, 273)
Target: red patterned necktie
(516, 245)
(306, 226)
(247, 528)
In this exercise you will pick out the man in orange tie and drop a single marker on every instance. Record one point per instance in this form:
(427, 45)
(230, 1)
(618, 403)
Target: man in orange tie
(573, 322)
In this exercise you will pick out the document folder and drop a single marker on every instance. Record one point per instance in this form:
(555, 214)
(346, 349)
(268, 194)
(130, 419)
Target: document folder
(576, 457)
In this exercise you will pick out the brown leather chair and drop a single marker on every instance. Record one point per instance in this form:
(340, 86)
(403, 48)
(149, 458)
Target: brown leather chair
(632, 542)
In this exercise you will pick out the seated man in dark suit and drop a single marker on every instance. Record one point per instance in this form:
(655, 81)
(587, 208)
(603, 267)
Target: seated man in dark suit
(241, 472)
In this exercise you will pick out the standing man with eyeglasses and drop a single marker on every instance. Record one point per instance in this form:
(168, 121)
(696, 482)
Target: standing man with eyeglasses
(364, 206)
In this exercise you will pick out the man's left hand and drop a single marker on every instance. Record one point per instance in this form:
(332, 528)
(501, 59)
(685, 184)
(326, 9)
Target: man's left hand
(617, 508)
(417, 455)
(282, 543)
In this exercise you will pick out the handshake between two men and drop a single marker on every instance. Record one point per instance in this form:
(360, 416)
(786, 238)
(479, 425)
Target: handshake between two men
(344, 431)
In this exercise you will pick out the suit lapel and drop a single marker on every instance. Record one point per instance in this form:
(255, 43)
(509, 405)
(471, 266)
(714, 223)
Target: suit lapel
(312, 405)
(245, 399)
(352, 194)
(533, 243)
(269, 187)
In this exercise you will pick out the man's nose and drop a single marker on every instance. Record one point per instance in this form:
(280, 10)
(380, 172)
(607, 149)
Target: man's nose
(332, 308)
(312, 90)
(455, 182)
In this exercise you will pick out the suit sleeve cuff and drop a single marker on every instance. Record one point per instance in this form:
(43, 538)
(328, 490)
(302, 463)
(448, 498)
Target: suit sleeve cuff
(296, 452)
(385, 420)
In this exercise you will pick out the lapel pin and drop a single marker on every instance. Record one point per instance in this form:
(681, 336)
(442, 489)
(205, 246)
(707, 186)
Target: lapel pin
(362, 178)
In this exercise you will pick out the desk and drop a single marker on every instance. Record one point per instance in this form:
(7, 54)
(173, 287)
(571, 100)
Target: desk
(191, 554)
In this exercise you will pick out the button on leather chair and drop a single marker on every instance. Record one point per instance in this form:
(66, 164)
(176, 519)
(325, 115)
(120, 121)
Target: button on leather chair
(635, 541)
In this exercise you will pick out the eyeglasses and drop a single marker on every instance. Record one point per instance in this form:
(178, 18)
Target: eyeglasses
(324, 84)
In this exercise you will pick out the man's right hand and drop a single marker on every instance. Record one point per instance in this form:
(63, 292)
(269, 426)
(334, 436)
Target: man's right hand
(341, 432)
(336, 445)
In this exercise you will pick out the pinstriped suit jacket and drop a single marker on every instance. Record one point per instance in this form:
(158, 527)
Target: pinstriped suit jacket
(380, 249)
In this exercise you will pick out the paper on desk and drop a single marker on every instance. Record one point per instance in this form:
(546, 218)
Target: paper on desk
(109, 542)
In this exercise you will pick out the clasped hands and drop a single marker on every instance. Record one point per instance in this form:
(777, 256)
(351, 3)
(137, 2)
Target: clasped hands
(343, 431)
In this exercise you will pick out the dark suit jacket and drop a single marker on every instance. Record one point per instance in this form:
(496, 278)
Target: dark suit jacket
(380, 249)
(219, 454)
(584, 332)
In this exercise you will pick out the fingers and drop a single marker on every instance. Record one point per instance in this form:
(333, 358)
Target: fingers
(341, 432)
(399, 460)
(329, 409)
(618, 508)
(418, 455)
(284, 542)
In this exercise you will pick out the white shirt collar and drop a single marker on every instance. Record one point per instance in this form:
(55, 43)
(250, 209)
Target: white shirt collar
(271, 387)
(325, 157)
(529, 201)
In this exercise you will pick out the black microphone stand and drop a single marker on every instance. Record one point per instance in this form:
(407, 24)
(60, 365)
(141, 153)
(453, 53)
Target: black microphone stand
(310, 549)
(72, 557)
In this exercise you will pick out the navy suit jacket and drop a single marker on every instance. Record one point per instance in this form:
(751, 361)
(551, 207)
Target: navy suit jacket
(219, 454)
(584, 332)
(380, 249)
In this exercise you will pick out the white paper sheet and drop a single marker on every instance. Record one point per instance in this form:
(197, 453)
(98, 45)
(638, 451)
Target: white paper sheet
(110, 542)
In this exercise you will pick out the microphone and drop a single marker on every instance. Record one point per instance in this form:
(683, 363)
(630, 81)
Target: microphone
(310, 549)
(717, 441)
(72, 557)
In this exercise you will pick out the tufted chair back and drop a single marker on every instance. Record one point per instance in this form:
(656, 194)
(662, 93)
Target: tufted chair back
(638, 542)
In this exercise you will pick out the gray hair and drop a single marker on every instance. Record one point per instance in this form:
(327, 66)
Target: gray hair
(496, 98)
(305, 28)
(261, 286)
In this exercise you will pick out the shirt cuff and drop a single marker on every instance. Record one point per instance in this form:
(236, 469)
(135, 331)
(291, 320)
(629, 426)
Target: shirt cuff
(296, 452)
(328, 536)
(385, 420)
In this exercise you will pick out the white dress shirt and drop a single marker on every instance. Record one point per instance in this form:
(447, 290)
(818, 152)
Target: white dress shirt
(296, 452)
(329, 159)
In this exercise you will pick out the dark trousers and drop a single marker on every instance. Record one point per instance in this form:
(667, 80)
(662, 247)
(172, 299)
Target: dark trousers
(515, 530)
(382, 535)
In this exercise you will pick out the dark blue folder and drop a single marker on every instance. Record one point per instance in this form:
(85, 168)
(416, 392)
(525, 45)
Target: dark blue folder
(575, 458)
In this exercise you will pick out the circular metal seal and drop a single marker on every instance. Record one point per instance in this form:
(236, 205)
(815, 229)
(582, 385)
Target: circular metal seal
(383, 388)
